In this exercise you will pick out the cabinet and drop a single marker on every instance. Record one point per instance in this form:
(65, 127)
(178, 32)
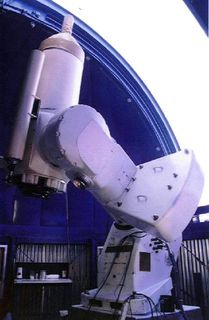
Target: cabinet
(41, 299)
(37, 299)
(74, 259)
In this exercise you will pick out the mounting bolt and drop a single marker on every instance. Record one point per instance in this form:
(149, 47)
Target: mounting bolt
(155, 217)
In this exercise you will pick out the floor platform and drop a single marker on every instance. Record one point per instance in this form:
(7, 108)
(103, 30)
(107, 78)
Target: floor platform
(80, 313)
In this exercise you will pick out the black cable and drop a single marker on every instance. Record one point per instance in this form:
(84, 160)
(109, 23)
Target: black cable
(150, 302)
(125, 273)
(195, 256)
(177, 289)
(25, 254)
(153, 306)
(132, 236)
(113, 261)
(101, 286)
(176, 281)
(121, 242)
(110, 269)
(157, 311)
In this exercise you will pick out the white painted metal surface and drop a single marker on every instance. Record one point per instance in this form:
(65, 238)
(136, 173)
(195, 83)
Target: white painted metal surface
(128, 271)
(17, 145)
(54, 78)
(159, 196)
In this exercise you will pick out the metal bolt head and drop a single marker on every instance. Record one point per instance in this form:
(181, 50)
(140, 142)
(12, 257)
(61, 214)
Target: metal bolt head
(155, 217)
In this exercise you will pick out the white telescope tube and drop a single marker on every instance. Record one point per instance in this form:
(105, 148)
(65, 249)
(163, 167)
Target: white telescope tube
(59, 86)
(20, 132)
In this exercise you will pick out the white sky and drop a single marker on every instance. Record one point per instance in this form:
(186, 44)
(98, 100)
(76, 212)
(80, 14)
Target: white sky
(165, 45)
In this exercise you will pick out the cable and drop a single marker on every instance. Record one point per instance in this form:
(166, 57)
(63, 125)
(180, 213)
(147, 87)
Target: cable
(108, 273)
(124, 274)
(101, 286)
(176, 282)
(25, 254)
(121, 242)
(132, 236)
(153, 307)
(113, 261)
(149, 300)
(195, 256)
(123, 278)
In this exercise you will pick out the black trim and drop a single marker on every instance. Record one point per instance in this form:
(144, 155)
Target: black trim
(126, 248)
(122, 226)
